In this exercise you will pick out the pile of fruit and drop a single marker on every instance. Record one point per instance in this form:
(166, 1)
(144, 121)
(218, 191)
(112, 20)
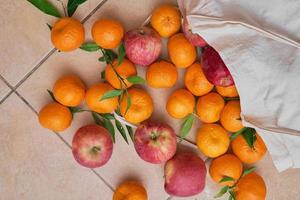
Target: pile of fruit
(209, 95)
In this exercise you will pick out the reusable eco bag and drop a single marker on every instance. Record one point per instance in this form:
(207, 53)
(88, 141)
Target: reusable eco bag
(259, 43)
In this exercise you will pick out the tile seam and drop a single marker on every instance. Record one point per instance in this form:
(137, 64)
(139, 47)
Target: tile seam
(43, 60)
(64, 141)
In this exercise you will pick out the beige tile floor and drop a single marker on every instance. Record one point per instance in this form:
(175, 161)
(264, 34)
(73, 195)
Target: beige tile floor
(36, 163)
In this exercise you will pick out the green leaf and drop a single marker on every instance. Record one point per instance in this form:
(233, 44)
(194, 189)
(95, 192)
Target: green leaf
(102, 59)
(74, 110)
(136, 80)
(121, 130)
(222, 191)
(111, 55)
(248, 171)
(128, 103)
(187, 125)
(111, 94)
(103, 75)
(121, 53)
(109, 126)
(72, 6)
(234, 135)
(108, 116)
(231, 195)
(226, 179)
(49, 26)
(97, 119)
(130, 131)
(46, 7)
(226, 99)
(90, 47)
(51, 95)
(249, 136)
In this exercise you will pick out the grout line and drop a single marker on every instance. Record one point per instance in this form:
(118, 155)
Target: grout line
(8, 85)
(50, 53)
(65, 142)
(93, 11)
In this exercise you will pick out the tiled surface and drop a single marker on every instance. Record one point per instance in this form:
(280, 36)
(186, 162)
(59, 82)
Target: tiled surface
(4, 89)
(25, 36)
(37, 164)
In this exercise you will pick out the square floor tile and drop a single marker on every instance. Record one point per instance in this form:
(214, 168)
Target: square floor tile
(25, 37)
(4, 89)
(36, 164)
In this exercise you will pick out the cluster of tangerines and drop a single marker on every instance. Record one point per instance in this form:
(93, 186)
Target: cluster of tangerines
(217, 107)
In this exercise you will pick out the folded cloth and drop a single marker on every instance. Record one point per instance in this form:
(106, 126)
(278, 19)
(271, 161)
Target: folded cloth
(259, 43)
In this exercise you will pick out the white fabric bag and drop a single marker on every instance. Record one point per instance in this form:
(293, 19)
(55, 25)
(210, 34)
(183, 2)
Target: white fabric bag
(259, 41)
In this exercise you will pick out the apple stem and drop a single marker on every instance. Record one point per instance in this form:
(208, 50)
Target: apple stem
(96, 149)
(153, 136)
(142, 32)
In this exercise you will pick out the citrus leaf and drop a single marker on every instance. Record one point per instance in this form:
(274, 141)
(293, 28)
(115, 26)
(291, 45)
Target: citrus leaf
(121, 130)
(136, 80)
(226, 99)
(248, 171)
(121, 52)
(226, 179)
(51, 95)
(109, 126)
(72, 6)
(49, 26)
(130, 131)
(234, 135)
(111, 94)
(187, 125)
(128, 103)
(231, 195)
(222, 191)
(249, 136)
(74, 110)
(90, 47)
(103, 75)
(46, 7)
(102, 59)
(108, 116)
(110, 55)
(97, 119)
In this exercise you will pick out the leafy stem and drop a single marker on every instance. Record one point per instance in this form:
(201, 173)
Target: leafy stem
(63, 6)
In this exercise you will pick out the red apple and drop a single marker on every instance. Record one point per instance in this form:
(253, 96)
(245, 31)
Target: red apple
(92, 146)
(155, 142)
(143, 45)
(215, 69)
(194, 38)
(185, 175)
